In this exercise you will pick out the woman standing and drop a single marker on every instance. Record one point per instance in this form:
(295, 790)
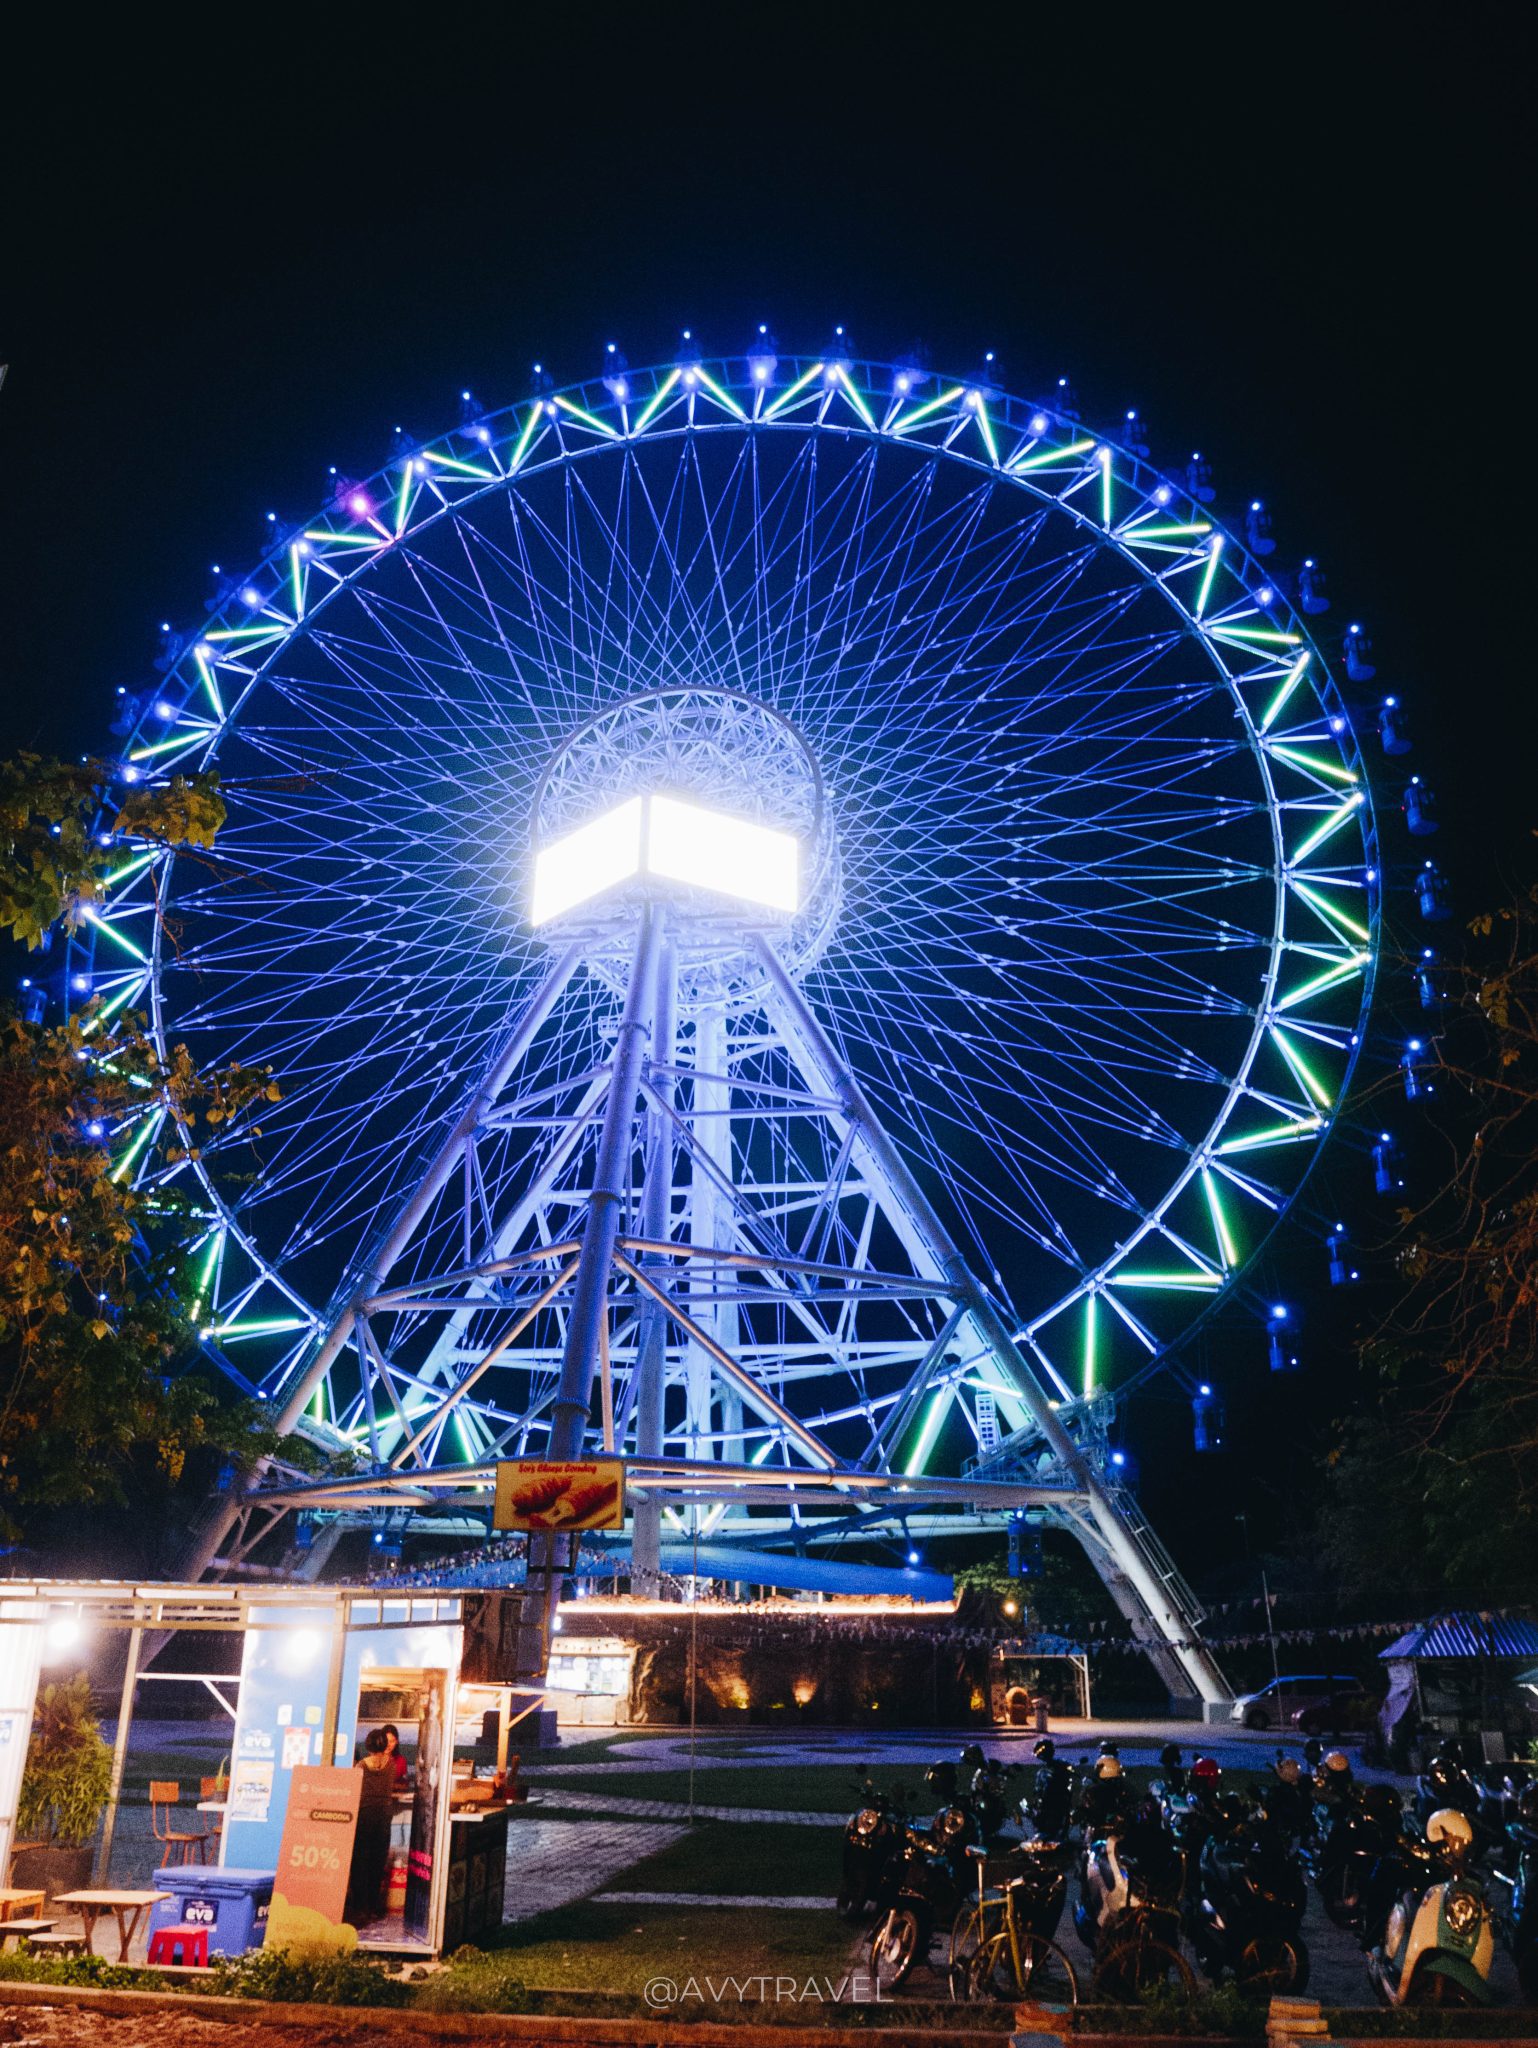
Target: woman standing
(371, 1845)
(392, 1736)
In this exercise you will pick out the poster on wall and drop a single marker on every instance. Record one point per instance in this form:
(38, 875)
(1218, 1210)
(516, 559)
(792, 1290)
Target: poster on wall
(434, 1760)
(314, 1859)
(250, 1793)
(550, 1493)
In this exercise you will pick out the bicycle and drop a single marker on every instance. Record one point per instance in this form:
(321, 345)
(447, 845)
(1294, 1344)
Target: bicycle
(996, 1951)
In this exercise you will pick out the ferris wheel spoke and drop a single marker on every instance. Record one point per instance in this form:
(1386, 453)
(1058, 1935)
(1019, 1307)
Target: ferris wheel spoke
(1060, 744)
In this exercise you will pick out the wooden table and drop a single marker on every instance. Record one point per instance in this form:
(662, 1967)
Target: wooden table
(19, 1905)
(18, 1927)
(129, 1907)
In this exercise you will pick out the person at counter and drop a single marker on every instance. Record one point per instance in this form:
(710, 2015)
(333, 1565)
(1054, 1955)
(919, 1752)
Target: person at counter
(371, 1844)
(392, 1736)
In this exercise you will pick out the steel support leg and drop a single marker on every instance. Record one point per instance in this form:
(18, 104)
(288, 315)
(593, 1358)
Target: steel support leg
(215, 1523)
(1165, 1624)
(651, 1350)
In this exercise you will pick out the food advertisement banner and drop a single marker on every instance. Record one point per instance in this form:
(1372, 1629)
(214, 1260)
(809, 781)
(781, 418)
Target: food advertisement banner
(546, 1493)
(310, 1894)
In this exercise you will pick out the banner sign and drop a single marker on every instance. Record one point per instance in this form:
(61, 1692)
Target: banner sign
(314, 1859)
(544, 1493)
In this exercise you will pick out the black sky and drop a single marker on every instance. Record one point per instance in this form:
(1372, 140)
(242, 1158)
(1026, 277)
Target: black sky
(239, 246)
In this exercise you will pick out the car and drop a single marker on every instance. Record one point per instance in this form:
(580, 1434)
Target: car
(1348, 1711)
(1280, 1701)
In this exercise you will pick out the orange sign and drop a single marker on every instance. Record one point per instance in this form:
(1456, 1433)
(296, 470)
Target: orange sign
(544, 1493)
(310, 1892)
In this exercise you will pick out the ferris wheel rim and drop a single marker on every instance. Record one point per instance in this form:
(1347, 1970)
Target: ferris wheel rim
(1116, 460)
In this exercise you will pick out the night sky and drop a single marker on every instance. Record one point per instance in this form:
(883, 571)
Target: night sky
(235, 252)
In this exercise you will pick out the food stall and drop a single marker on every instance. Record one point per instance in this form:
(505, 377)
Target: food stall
(319, 1667)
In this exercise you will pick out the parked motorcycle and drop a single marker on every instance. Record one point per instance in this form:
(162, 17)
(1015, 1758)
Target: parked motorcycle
(1105, 1796)
(1445, 1783)
(1048, 1805)
(1501, 1788)
(985, 1789)
(1439, 1941)
(1358, 1858)
(1513, 1890)
(1288, 1800)
(923, 1887)
(1172, 1782)
(1192, 1815)
(872, 1838)
(1247, 1906)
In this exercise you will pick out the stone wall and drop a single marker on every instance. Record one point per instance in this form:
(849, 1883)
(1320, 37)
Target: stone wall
(767, 1670)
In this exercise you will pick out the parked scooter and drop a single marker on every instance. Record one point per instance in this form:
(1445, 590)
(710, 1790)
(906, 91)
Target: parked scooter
(1439, 1942)
(1513, 1887)
(1128, 1913)
(1247, 1904)
(924, 1885)
(874, 1835)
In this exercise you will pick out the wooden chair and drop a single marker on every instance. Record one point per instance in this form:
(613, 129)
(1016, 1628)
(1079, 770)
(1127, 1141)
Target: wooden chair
(165, 1794)
(211, 1788)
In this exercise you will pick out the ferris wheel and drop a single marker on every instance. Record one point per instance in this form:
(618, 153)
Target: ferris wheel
(879, 845)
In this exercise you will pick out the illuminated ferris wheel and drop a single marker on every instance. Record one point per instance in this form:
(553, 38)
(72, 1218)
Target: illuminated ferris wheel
(810, 917)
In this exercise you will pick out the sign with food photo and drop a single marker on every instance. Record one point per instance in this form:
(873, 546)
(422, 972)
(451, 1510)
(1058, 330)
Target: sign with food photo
(548, 1493)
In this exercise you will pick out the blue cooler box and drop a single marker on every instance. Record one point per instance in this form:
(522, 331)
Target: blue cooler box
(231, 1904)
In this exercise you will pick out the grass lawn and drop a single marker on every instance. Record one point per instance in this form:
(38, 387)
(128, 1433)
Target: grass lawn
(732, 1860)
(791, 1787)
(621, 1948)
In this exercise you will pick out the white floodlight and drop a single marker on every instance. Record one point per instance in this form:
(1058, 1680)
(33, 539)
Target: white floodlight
(582, 864)
(675, 841)
(753, 863)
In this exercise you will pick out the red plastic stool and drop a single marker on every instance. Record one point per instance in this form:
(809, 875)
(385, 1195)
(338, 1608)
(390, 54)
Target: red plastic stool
(186, 1945)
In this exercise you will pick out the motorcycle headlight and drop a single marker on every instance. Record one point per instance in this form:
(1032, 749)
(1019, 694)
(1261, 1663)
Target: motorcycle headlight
(950, 1823)
(867, 1820)
(1462, 1910)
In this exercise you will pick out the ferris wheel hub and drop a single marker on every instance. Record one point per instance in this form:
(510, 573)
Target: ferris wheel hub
(703, 801)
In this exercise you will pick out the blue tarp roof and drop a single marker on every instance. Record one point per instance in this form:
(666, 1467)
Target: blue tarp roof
(795, 1574)
(1467, 1635)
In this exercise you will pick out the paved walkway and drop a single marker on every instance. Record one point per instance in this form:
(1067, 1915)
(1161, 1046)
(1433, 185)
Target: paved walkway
(779, 1905)
(751, 1750)
(679, 1809)
(552, 1863)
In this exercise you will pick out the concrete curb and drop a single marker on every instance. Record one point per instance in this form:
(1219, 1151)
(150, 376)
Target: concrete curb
(424, 2029)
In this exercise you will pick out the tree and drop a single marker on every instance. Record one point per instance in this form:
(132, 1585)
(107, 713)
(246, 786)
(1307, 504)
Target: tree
(1434, 1491)
(57, 860)
(96, 1304)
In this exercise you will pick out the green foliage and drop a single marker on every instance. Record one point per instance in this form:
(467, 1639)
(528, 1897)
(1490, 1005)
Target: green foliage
(96, 1309)
(1220, 2009)
(473, 1982)
(19, 1966)
(52, 862)
(287, 1978)
(96, 1313)
(68, 1773)
(1432, 1496)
